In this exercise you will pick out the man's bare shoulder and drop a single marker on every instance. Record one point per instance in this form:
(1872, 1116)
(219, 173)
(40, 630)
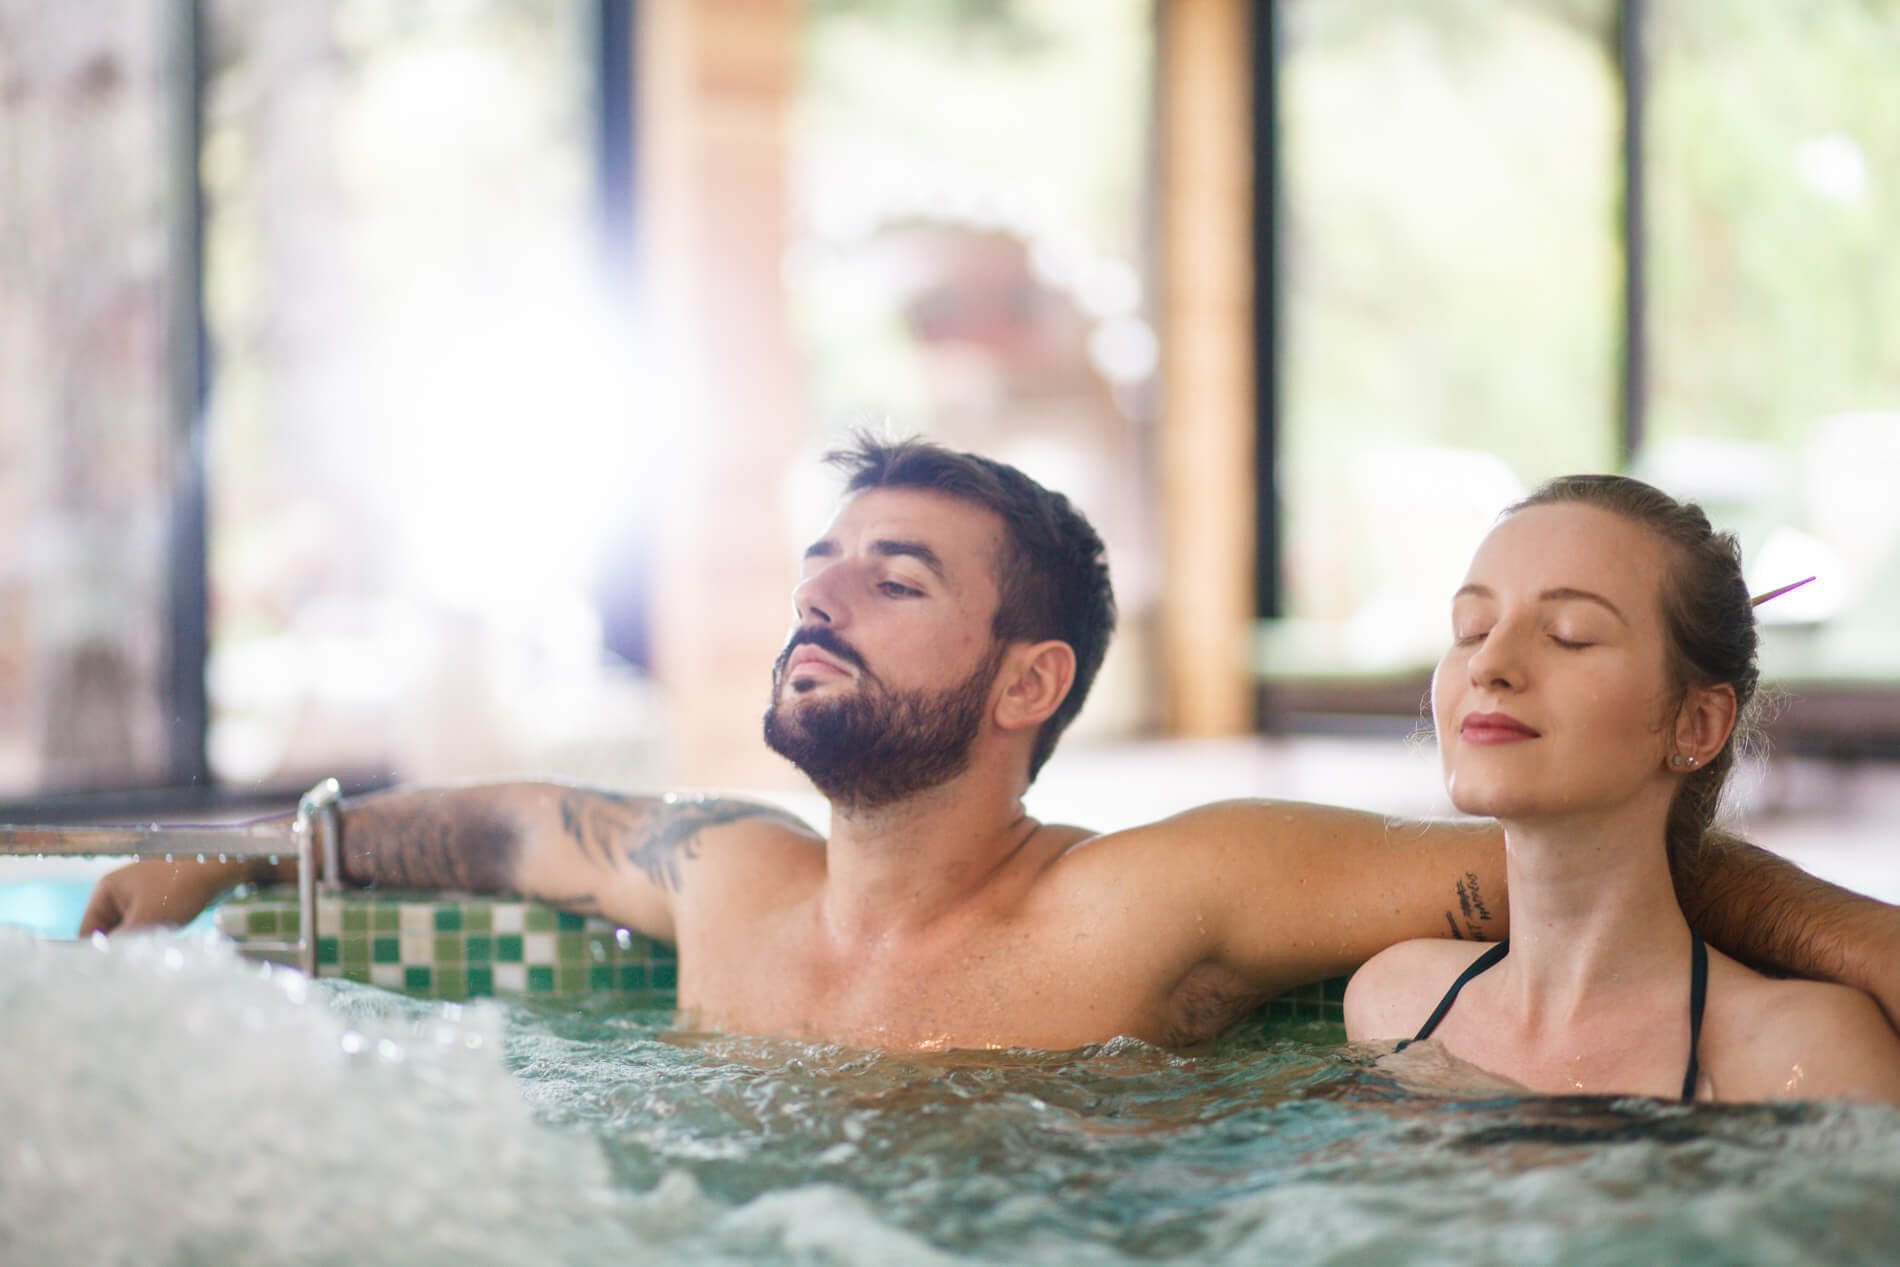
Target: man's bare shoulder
(1775, 1038)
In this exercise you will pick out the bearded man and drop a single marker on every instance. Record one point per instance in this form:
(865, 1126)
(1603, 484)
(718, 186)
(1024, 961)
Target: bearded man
(948, 626)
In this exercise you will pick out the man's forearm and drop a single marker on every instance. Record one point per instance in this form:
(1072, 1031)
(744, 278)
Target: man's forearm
(1765, 911)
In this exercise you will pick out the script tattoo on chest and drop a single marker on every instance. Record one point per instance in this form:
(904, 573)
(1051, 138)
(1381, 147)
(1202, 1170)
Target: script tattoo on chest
(657, 836)
(1471, 909)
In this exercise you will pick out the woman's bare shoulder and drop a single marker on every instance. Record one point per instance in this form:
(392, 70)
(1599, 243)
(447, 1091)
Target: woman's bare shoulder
(1787, 1039)
(1396, 990)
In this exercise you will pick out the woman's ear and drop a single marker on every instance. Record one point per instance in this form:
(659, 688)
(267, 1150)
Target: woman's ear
(1038, 677)
(1703, 723)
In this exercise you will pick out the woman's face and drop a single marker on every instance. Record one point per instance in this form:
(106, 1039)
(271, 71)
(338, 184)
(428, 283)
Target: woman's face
(1551, 701)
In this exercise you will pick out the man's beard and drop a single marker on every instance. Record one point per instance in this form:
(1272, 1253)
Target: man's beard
(876, 747)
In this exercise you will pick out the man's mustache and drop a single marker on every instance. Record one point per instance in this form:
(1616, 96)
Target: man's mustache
(825, 640)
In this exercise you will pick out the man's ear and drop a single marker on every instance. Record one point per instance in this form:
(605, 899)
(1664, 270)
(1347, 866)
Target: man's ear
(1703, 722)
(1036, 679)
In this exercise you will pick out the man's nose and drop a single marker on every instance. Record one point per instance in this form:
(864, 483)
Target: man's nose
(816, 601)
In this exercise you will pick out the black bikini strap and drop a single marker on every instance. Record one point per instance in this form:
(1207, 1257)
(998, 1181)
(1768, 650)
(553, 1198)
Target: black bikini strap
(1482, 962)
(1698, 995)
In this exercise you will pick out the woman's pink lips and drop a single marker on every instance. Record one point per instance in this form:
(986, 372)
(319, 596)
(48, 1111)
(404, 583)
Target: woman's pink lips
(1493, 728)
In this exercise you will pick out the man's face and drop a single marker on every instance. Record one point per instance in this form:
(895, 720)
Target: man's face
(884, 686)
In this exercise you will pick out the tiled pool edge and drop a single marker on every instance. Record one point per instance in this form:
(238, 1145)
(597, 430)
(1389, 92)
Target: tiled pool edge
(452, 947)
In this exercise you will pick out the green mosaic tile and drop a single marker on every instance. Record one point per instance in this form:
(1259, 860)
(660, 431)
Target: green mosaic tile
(481, 982)
(355, 918)
(540, 978)
(385, 950)
(355, 951)
(260, 923)
(385, 917)
(448, 919)
(478, 917)
(450, 984)
(448, 950)
(416, 978)
(660, 949)
(358, 975)
(633, 976)
(568, 922)
(537, 919)
(569, 948)
(288, 922)
(571, 978)
(600, 976)
(664, 976)
(478, 949)
(1334, 989)
(327, 952)
(508, 948)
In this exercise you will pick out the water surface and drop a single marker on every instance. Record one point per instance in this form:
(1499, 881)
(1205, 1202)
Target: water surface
(166, 1102)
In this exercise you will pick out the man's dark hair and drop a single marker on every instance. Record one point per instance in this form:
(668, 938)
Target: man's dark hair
(1052, 572)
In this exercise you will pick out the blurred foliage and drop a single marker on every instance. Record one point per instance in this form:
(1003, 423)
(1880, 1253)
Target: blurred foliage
(1775, 155)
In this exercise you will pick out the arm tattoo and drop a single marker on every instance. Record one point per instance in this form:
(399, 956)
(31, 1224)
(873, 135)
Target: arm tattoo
(655, 836)
(429, 846)
(1471, 906)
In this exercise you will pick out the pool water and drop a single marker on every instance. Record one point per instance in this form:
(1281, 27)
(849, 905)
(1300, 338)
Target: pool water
(166, 1102)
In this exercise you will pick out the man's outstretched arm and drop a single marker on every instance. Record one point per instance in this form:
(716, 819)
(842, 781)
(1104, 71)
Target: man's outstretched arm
(1767, 912)
(587, 851)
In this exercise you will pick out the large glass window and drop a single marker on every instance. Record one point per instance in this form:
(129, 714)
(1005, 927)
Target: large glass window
(969, 255)
(422, 429)
(1451, 300)
(88, 278)
(1775, 397)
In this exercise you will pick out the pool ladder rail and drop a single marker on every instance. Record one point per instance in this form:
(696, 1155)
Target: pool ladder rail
(312, 835)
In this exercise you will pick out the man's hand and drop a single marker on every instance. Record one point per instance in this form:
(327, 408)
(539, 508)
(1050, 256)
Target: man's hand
(155, 893)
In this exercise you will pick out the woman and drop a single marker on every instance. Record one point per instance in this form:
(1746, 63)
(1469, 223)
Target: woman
(1604, 646)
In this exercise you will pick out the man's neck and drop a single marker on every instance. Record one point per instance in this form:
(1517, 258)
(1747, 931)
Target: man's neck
(898, 870)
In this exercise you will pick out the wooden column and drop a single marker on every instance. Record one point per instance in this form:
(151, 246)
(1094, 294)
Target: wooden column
(716, 80)
(1207, 423)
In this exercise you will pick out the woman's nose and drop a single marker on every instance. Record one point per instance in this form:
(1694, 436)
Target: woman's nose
(1498, 661)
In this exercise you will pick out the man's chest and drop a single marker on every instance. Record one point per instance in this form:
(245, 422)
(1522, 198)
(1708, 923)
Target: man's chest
(996, 986)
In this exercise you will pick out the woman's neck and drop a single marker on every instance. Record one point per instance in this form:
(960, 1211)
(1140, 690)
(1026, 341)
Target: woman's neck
(1593, 909)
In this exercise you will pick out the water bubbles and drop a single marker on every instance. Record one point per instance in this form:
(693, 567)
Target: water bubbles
(389, 1051)
(168, 857)
(201, 860)
(352, 1042)
(623, 939)
(174, 959)
(98, 940)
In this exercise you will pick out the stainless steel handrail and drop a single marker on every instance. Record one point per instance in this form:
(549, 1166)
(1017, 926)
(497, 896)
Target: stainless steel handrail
(313, 836)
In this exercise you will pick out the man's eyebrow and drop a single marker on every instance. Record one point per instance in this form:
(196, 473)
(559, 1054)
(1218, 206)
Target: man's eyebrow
(911, 550)
(1561, 593)
(889, 549)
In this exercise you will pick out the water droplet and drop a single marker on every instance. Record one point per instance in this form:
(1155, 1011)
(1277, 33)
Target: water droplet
(272, 860)
(222, 858)
(201, 859)
(174, 959)
(352, 1042)
(168, 857)
(623, 939)
(388, 1051)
